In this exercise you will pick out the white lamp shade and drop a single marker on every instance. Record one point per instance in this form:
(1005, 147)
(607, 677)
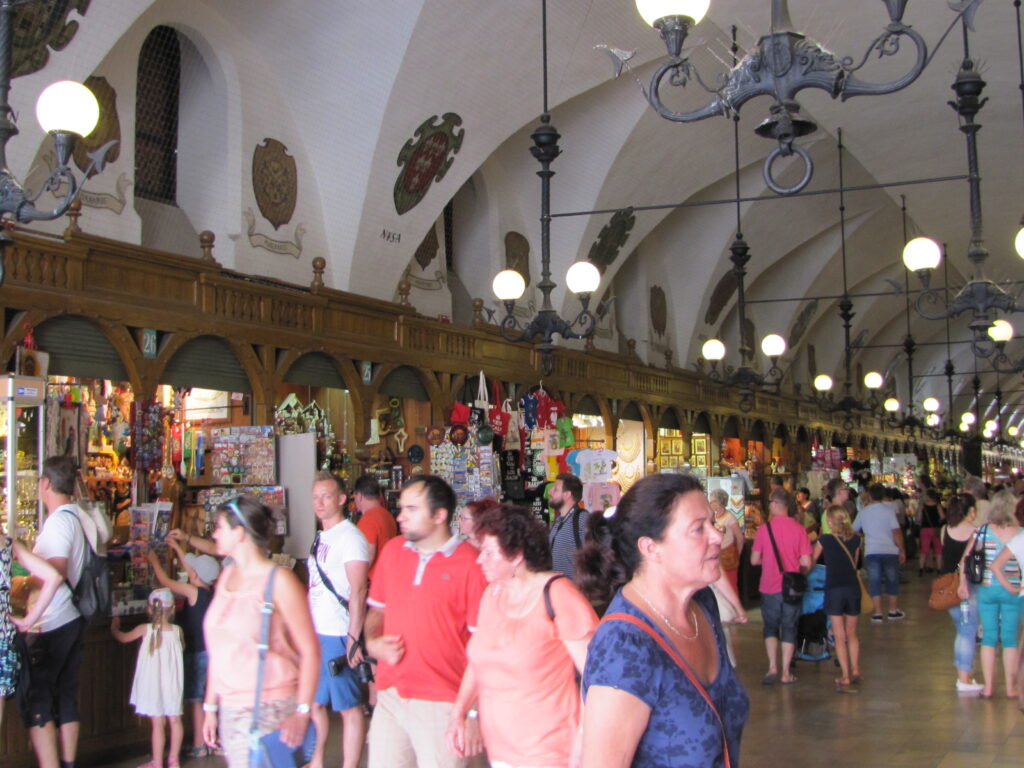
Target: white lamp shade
(1018, 242)
(991, 426)
(773, 345)
(1001, 330)
(1013, 431)
(823, 382)
(930, 404)
(1022, 443)
(932, 419)
(987, 434)
(891, 404)
(921, 253)
(582, 277)
(968, 418)
(964, 426)
(652, 10)
(873, 380)
(508, 285)
(67, 106)
(713, 349)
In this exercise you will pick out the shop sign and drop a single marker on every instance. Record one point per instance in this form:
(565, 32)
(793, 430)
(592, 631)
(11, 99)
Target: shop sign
(367, 370)
(148, 343)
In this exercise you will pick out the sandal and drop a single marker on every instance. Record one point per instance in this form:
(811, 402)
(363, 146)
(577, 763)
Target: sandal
(197, 752)
(788, 682)
(770, 679)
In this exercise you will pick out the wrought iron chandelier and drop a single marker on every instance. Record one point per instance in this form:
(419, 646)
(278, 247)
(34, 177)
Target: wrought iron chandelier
(783, 63)
(582, 277)
(65, 110)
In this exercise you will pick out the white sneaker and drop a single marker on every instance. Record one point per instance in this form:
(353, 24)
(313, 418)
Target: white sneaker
(971, 687)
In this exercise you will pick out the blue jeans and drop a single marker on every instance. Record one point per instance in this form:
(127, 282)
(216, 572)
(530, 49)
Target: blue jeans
(883, 568)
(966, 634)
(780, 618)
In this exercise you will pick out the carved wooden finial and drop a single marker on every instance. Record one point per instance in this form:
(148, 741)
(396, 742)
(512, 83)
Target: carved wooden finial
(404, 289)
(73, 212)
(206, 239)
(319, 264)
(478, 311)
(631, 347)
(588, 343)
(668, 359)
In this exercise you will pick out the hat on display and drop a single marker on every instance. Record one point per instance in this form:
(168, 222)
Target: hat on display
(162, 597)
(207, 568)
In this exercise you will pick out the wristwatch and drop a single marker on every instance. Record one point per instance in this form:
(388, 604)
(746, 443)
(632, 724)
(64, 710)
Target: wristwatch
(472, 714)
(302, 709)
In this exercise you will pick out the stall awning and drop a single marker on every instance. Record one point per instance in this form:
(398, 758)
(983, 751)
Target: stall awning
(206, 362)
(78, 348)
(315, 370)
(404, 382)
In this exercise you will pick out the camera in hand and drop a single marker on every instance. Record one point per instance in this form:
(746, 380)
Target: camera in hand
(363, 671)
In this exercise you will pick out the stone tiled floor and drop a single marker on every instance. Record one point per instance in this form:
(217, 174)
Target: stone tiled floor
(907, 714)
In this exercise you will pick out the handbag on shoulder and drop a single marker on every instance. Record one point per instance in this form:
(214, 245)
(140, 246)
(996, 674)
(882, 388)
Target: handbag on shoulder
(974, 564)
(945, 592)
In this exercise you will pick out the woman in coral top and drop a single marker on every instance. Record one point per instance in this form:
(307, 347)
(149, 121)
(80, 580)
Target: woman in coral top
(531, 639)
(232, 629)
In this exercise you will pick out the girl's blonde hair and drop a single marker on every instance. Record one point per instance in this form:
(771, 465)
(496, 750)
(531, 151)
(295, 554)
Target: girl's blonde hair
(161, 617)
(839, 521)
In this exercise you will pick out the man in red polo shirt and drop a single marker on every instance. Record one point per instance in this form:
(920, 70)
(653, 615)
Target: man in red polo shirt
(423, 605)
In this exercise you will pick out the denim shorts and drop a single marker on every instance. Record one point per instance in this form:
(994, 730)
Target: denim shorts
(883, 568)
(842, 601)
(341, 691)
(195, 675)
(779, 616)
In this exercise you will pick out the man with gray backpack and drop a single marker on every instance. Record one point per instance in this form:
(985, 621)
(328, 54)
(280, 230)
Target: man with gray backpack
(49, 703)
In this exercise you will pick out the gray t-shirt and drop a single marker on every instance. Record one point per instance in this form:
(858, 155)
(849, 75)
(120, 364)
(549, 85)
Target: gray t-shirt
(877, 521)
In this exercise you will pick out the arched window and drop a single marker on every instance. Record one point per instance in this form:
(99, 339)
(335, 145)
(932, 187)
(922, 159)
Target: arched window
(156, 117)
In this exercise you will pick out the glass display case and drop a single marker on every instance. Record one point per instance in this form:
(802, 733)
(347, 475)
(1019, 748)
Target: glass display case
(21, 436)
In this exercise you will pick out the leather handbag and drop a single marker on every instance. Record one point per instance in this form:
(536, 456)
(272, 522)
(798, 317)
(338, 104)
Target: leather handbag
(945, 592)
(974, 563)
(794, 583)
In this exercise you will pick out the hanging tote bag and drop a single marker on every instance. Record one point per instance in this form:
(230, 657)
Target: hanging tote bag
(478, 413)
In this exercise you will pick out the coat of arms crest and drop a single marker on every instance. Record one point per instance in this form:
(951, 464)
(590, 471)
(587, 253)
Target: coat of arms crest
(275, 181)
(426, 159)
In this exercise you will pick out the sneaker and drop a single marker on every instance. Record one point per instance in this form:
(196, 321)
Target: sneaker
(894, 615)
(971, 687)
(877, 618)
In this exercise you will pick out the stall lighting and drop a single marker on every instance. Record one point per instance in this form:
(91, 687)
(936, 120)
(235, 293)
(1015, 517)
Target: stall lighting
(930, 404)
(991, 426)
(1000, 331)
(713, 350)
(1013, 431)
(773, 345)
(823, 382)
(891, 404)
(873, 380)
(968, 418)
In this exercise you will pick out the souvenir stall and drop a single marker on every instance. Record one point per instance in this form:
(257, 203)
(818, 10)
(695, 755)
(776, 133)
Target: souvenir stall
(21, 454)
(670, 448)
(631, 446)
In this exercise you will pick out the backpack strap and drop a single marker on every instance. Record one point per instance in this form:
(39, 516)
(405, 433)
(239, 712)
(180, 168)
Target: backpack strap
(681, 663)
(547, 594)
(577, 513)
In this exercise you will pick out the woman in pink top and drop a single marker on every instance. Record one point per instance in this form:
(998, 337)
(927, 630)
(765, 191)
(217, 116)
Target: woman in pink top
(232, 629)
(526, 650)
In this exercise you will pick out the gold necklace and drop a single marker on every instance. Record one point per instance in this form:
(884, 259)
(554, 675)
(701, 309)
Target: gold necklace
(693, 617)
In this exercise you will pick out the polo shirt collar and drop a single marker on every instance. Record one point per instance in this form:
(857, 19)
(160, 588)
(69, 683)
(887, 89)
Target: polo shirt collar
(447, 550)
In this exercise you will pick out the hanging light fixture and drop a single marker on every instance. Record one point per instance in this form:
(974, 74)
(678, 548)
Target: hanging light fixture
(582, 278)
(783, 63)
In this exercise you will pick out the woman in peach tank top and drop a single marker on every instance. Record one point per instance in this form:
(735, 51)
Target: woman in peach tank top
(232, 630)
(523, 657)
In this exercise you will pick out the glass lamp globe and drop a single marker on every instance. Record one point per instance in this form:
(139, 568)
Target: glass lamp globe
(987, 434)
(508, 285)
(1018, 242)
(1013, 431)
(930, 404)
(964, 426)
(823, 382)
(582, 277)
(67, 106)
(773, 345)
(932, 419)
(652, 10)
(713, 349)
(1000, 330)
(968, 418)
(991, 426)
(891, 404)
(1022, 443)
(873, 380)
(921, 253)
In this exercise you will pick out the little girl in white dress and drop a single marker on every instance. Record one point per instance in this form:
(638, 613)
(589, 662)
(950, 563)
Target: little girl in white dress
(159, 677)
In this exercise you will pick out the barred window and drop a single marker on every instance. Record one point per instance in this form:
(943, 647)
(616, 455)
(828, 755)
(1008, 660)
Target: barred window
(156, 117)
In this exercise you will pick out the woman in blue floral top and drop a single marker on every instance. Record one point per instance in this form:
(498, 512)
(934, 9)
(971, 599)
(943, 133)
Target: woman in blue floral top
(657, 555)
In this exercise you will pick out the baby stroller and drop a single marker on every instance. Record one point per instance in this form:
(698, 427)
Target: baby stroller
(812, 635)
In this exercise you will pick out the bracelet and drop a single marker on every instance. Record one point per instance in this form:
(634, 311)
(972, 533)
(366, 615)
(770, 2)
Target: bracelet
(302, 709)
(210, 707)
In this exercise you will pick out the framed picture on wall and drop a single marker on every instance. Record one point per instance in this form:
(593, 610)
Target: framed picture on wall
(673, 462)
(700, 445)
(677, 446)
(699, 460)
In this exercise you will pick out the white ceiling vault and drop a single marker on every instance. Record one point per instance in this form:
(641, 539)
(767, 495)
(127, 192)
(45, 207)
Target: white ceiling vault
(345, 85)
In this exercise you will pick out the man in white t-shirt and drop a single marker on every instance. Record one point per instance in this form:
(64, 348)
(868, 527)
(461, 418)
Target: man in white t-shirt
(338, 566)
(50, 701)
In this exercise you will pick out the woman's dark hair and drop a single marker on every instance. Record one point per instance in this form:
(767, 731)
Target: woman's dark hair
(611, 556)
(805, 491)
(518, 532)
(477, 508)
(957, 509)
(933, 494)
(259, 520)
(968, 500)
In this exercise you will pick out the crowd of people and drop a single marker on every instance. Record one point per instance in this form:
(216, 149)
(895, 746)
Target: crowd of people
(482, 636)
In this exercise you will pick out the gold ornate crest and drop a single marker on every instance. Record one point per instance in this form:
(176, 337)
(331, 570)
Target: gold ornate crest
(275, 181)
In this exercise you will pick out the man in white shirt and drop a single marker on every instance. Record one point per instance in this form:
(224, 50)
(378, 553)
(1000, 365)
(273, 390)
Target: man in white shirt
(50, 703)
(338, 566)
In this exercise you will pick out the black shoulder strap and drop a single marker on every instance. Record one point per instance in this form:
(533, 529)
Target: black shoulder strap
(547, 594)
(323, 576)
(576, 514)
(775, 546)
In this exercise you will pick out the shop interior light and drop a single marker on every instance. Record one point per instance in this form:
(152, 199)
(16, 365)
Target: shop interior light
(922, 253)
(968, 418)
(773, 345)
(508, 285)
(873, 380)
(964, 426)
(932, 419)
(713, 350)
(582, 277)
(930, 404)
(1001, 330)
(823, 382)
(1013, 431)
(991, 426)
(891, 404)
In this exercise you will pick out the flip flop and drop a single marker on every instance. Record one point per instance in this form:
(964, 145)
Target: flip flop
(788, 682)
(854, 679)
(984, 695)
(840, 688)
(770, 679)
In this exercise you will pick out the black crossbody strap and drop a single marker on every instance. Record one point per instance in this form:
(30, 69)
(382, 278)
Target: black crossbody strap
(547, 594)
(775, 546)
(323, 576)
